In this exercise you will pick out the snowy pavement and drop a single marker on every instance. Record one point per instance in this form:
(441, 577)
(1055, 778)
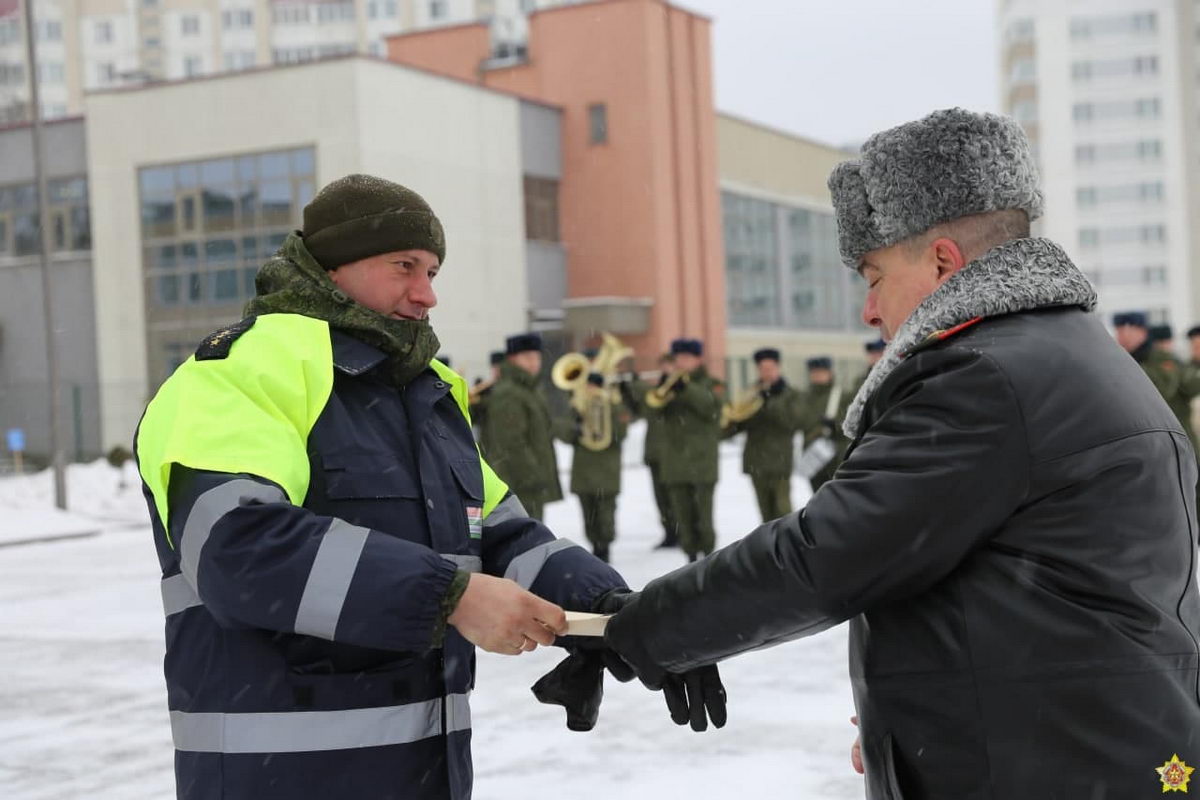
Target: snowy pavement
(83, 707)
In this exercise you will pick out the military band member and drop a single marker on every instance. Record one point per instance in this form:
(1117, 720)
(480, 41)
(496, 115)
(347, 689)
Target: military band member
(652, 450)
(874, 351)
(689, 402)
(596, 474)
(823, 404)
(520, 442)
(767, 455)
(479, 396)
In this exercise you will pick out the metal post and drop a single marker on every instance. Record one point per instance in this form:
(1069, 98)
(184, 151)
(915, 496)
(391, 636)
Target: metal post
(35, 113)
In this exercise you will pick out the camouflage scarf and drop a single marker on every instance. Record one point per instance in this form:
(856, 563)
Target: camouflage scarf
(292, 282)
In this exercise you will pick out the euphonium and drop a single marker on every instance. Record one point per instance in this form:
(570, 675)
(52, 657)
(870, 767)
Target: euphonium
(593, 403)
(747, 404)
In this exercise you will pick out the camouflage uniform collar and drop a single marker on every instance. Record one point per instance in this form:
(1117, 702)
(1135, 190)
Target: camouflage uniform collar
(511, 372)
(292, 282)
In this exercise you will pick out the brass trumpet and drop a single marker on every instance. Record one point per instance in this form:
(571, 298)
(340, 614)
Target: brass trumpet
(745, 406)
(664, 393)
(593, 403)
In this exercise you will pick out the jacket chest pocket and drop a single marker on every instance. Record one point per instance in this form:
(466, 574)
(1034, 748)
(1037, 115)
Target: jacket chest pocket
(358, 476)
(375, 491)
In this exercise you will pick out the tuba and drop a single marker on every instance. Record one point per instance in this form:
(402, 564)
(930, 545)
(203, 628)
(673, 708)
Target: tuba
(594, 404)
(745, 406)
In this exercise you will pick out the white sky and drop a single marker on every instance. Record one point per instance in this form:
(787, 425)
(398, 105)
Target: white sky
(840, 70)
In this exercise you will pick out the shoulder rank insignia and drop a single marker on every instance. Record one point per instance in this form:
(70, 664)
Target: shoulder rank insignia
(217, 344)
(1175, 775)
(942, 335)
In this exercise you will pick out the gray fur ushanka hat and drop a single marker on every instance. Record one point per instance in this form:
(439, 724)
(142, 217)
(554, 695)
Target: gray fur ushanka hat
(951, 164)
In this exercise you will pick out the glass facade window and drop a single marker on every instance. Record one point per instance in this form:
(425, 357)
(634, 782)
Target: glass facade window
(70, 223)
(751, 261)
(818, 283)
(207, 226)
(783, 270)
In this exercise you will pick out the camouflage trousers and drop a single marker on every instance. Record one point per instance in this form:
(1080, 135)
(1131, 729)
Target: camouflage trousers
(692, 505)
(774, 496)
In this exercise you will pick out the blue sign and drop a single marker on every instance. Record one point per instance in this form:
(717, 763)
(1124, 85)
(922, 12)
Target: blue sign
(16, 440)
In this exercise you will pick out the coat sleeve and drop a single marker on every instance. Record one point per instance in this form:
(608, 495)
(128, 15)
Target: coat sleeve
(939, 471)
(255, 560)
(524, 550)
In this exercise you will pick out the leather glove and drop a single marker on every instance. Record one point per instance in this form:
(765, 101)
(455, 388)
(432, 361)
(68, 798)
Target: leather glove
(694, 697)
(577, 683)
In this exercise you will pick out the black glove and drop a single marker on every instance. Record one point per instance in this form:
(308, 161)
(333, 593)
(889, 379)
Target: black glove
(577, 683)
(695, 696)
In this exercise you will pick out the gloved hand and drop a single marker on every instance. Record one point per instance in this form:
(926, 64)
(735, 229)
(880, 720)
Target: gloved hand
(577, 683)
(695, 696)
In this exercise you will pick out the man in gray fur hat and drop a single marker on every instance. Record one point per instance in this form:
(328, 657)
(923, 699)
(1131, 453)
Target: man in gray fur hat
(1012, 535)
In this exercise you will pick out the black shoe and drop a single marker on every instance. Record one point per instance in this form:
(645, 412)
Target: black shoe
(667, 543)
(691, 557)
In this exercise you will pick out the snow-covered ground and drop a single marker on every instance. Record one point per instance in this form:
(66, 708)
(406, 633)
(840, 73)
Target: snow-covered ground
(83, 709)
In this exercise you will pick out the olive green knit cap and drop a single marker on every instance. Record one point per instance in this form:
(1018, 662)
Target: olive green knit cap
(360, 216)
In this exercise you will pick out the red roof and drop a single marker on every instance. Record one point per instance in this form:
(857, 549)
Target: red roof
(9, 7)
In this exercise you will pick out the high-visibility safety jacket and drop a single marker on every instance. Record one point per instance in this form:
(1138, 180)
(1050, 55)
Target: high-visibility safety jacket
(309, 518)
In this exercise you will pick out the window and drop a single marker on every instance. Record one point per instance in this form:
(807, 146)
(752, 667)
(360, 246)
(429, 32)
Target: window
(389, 8)
(50, 31)
(1020, 30)
(219, 215)
(1025, 111)
(207, 226)
(1142, 108)
(12, 74)
(752, 261)
(192, 66)
(10, 30)
(189, 25)
(1140, 24)
(598, 123)
(1128, 235)
(106, 72)
(1023, 70)
(237, 18)
(70, 228)
(372, 9)
(541, 209)
(528, 6)
(1138, 66)
(50, 72)
(437, 9)
(1143, 150)
(102, 32)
